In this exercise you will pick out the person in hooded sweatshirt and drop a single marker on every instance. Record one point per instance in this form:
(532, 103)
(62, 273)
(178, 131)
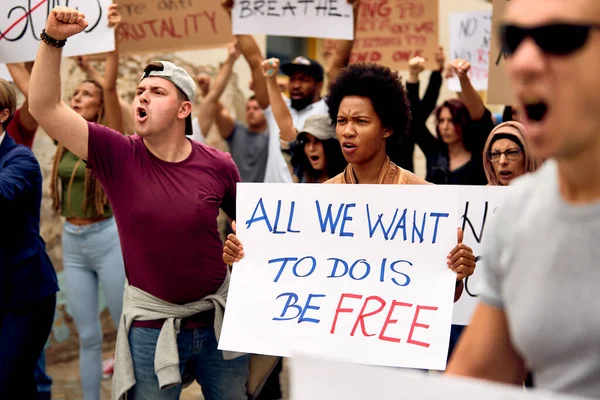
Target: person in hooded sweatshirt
(506, 155)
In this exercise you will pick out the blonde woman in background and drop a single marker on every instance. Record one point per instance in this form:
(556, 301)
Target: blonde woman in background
(91, 248)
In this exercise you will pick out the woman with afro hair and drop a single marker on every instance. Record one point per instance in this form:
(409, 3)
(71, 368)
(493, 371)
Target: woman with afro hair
(369, 109)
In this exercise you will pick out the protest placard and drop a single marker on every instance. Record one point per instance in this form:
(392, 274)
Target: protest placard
(318, 379)
(391, 32)
(470, 36)
(356, 272)
(302, 18)
(167, 25)
(478, 206)
(499, 88)
(4, 74)
(22, 21)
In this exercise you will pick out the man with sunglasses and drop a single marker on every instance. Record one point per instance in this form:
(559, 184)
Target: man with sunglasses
(539, 310)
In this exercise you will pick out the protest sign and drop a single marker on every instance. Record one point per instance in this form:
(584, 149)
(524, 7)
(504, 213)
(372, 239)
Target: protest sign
(499, 88)
(391, 32)
(302, 18)
(22, 21)
(356, 272)
(4, 74)
(167, 25)
(317, 379)
(470, 36)
(478, 206)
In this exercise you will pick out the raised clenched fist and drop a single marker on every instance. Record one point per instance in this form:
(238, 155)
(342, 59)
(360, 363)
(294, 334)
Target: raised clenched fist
(114, 16)
(461, 68)
(64, 22)
(270, 67)
(416, 65)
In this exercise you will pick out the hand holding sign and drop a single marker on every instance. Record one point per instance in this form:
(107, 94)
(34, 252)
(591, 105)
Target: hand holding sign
(461, 259)
(114, 17)
(270, 67)
(64, 22)
(233, 250)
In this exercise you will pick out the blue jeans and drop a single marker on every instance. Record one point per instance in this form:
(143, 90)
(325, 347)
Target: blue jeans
(92, 256)
(198, 355)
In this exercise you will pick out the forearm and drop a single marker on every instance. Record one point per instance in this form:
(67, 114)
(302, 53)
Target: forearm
(251, 52)
(25, 117)
(282, 114)
(20, 77)
(45, 78)
(471, 98)
(114, 118)
(432, 93)
(218, 87)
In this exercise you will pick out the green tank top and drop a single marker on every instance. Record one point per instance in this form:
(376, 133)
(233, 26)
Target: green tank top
(65, 170)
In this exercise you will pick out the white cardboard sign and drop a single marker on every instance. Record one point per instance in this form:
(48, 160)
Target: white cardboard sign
(478, 206)
(22, 21)
(356, 272)
(470, 39)
(318, 379)
(302, 18)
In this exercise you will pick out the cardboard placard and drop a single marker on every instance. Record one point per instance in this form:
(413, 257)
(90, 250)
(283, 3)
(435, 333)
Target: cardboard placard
(478, 208)
(470, 36)
(326, 19)
(318, 379)
(355, 272)
(172, 25)
(22, 21)
(391, 32)
(499, 87)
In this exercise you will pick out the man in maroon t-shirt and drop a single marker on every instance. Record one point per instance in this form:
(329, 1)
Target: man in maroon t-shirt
(165, 191)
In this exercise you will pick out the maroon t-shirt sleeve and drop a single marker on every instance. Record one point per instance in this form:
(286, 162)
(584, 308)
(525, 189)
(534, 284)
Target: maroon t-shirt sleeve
(107, 152)
(19, 133)
(232, 178)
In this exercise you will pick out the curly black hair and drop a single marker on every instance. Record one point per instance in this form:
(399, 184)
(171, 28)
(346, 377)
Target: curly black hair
(384, 88)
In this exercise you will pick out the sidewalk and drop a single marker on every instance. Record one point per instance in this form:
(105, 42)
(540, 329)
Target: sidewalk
(66, 385)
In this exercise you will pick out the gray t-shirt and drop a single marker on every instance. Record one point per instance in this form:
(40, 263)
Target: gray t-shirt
(541, 265)
(249, 152)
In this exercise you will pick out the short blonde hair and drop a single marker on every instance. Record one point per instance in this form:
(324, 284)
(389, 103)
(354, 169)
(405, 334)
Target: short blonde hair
(8, 100)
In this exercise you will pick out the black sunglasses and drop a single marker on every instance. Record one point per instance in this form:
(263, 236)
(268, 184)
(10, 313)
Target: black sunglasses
(559, 39)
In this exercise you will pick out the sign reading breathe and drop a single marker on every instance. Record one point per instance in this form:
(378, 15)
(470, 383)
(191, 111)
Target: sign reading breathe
(352, 272)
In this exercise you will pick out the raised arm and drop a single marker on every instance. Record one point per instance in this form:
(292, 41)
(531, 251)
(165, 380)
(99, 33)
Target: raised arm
(92, 73)
(112, 104)
(343, 48)
(432, 93)
(21, 74)
(45, 104)
(225, 122)
(280, 110)
(251, 52)
(209, 109)
(469, 95)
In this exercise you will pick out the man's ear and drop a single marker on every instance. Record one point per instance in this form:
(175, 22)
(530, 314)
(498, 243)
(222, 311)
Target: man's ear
(185, 110)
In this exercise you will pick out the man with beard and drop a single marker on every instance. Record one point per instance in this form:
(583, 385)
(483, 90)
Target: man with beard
(305, 86)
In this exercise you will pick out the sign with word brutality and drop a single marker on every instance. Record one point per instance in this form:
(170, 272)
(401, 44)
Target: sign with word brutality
(470, 36)
(22, 21)
(172, 25)
(303, 18)
(499, 88)
(353, 272)
(391, 32)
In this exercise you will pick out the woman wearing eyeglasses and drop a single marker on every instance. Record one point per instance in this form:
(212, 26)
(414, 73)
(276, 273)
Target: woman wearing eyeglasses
(506, 155)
